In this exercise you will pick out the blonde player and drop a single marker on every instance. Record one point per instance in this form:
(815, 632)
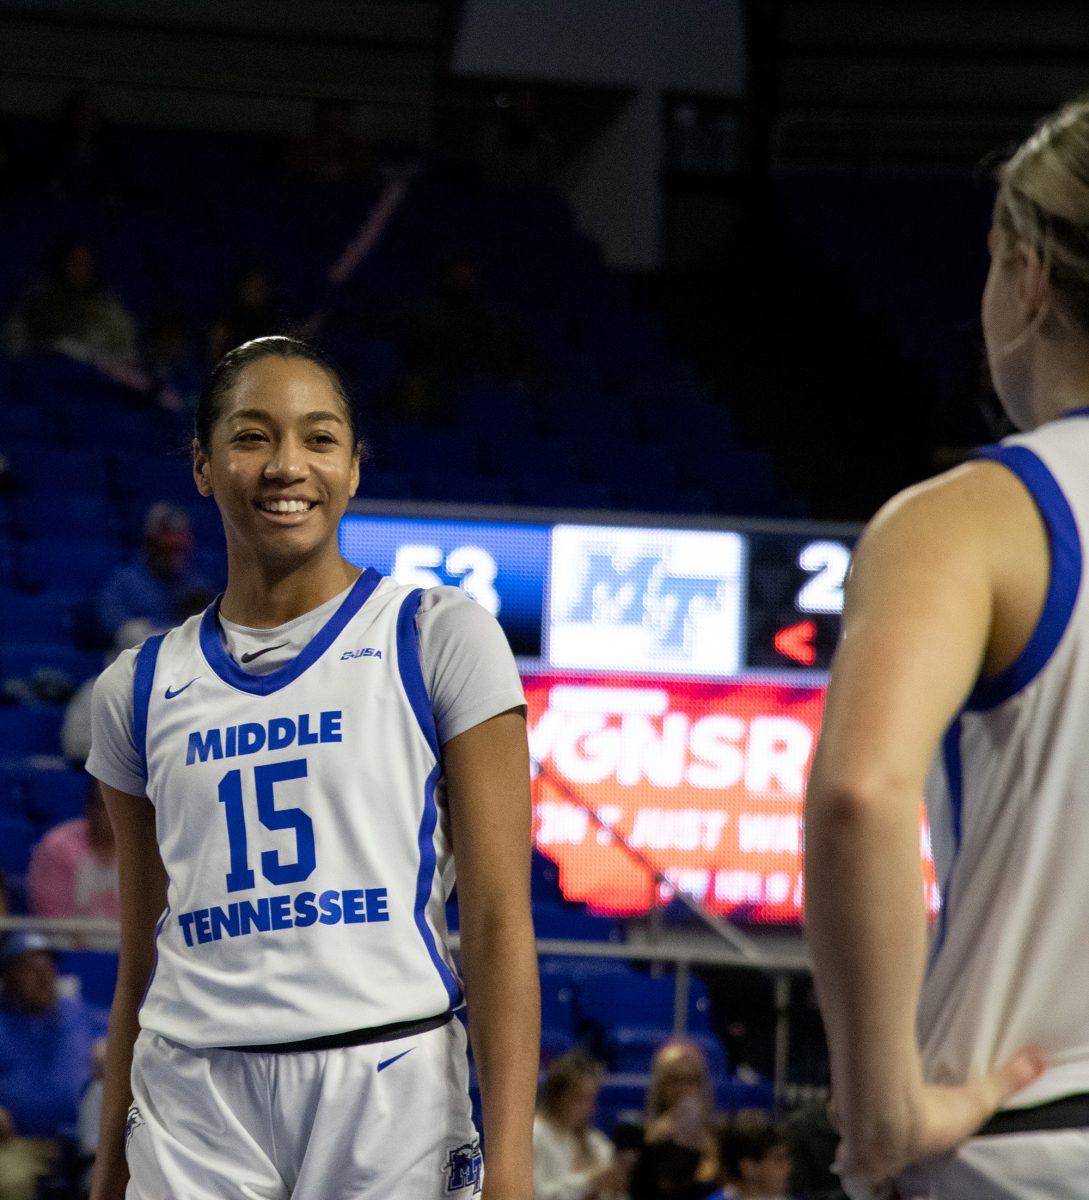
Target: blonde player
(963, 1070)
(291, 776)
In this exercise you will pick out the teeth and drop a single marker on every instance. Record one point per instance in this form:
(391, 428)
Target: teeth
(285, 506)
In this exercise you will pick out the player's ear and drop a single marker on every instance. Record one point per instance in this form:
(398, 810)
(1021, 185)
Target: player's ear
(357, 457)
(201, 472)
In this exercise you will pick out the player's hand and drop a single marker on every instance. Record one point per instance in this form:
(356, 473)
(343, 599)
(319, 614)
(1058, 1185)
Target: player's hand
(880, 1145)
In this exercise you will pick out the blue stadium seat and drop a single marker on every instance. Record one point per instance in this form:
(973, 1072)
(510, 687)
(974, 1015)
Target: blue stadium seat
(30, 729)
(66, 514)
(733, 1094)
(56, 794)
(35, 615)
(14, 788)
(17, 838)
(557, 1017)
(574, 923)
(46, 564)
(21, 660)
(643, 1002)
(49, 470)
(96, 971)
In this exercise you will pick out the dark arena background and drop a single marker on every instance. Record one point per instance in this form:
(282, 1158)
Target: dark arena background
(646, 308)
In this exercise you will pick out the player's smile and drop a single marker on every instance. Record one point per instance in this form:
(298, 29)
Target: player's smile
(285, 510)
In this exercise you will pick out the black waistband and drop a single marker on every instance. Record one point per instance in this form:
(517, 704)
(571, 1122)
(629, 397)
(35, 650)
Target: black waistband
(354, 1037)
(1071, 1112)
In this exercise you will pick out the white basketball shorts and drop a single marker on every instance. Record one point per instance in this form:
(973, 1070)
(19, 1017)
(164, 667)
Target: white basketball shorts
(1046, 1165)
(389, 1120)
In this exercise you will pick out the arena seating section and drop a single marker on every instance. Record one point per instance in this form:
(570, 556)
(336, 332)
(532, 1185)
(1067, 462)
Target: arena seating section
(88, 455)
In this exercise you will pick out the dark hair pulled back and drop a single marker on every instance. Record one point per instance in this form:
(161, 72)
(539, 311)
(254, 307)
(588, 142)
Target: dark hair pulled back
(224, 375)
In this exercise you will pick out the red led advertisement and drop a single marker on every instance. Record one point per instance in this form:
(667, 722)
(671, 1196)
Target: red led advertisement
(704, 780)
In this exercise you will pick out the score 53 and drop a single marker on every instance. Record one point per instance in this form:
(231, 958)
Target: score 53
(471, 568)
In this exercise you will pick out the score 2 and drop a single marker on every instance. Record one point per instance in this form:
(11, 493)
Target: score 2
(828, 564)
(795, 593)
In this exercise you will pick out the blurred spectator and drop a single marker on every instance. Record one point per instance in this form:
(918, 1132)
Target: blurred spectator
(332, 152)
(160, 586)
(46, 1051)
(679, 1160)
(755, 1159)
(68, 311)
(571, 1159)
(76, 730)
(249, 312)
(519, 148)
(173, 368)
(457, 335)
(73, 869)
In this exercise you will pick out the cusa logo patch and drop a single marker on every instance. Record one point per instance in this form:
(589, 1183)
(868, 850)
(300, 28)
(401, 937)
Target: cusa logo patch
(465, 1168)
(366, 652)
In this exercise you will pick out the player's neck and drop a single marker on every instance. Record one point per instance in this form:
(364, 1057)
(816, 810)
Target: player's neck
(264, 595)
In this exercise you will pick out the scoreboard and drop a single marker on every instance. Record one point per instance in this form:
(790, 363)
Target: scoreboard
(714, 602)
(674, 677)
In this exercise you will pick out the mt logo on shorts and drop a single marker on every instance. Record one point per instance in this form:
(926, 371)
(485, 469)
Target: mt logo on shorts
(464, 1168)
(132, 1122)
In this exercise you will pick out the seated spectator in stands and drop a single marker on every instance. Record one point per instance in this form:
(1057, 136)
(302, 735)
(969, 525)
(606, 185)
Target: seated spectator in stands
(68, 311)
(332, 152)
(458, 335)
(76, 730)
(755, 1158)
(73, 869)
(679, 1159)
(46, 1052)
(160, 587)
(571, 1159)
(250, 312)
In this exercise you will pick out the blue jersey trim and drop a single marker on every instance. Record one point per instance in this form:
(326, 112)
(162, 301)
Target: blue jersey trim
(1065, 579)
(954, 774)
(412, 680)
(143, 681)
(408, 662)
(211, 642)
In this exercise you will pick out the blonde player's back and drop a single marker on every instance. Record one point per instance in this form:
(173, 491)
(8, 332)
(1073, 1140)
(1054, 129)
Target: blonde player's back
(1009, 818)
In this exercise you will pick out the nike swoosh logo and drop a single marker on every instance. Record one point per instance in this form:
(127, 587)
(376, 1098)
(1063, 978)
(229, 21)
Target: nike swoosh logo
(248, 658)
(390, 1061)
(171, 694)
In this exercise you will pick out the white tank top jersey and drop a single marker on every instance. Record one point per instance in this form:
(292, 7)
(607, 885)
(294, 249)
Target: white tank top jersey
(1008, 802)
(301, 822)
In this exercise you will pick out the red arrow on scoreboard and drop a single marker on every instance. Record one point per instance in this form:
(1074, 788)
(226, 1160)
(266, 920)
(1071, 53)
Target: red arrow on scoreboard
(796, 642)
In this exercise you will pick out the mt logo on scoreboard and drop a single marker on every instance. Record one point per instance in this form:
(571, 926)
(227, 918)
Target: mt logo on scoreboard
(645, 599)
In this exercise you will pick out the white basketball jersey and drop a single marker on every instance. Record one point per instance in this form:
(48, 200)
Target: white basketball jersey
(1009, 811)
(301, 821)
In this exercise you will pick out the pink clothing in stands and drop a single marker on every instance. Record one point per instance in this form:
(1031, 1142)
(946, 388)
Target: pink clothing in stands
(65, 878)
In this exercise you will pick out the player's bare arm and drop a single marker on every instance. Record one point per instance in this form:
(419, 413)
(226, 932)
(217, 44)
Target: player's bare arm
(929, 607)
(487, 773)
(143, 899)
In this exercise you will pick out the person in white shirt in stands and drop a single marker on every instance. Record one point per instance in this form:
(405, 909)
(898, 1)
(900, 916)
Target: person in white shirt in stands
(571, 1159)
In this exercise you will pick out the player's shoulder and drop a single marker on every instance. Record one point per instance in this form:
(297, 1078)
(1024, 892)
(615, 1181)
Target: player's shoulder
(117, 678)
(967, 503)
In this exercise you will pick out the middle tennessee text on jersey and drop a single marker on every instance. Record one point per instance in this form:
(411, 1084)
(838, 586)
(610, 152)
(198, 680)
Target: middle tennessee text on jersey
(302, 822)
(275, 734)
